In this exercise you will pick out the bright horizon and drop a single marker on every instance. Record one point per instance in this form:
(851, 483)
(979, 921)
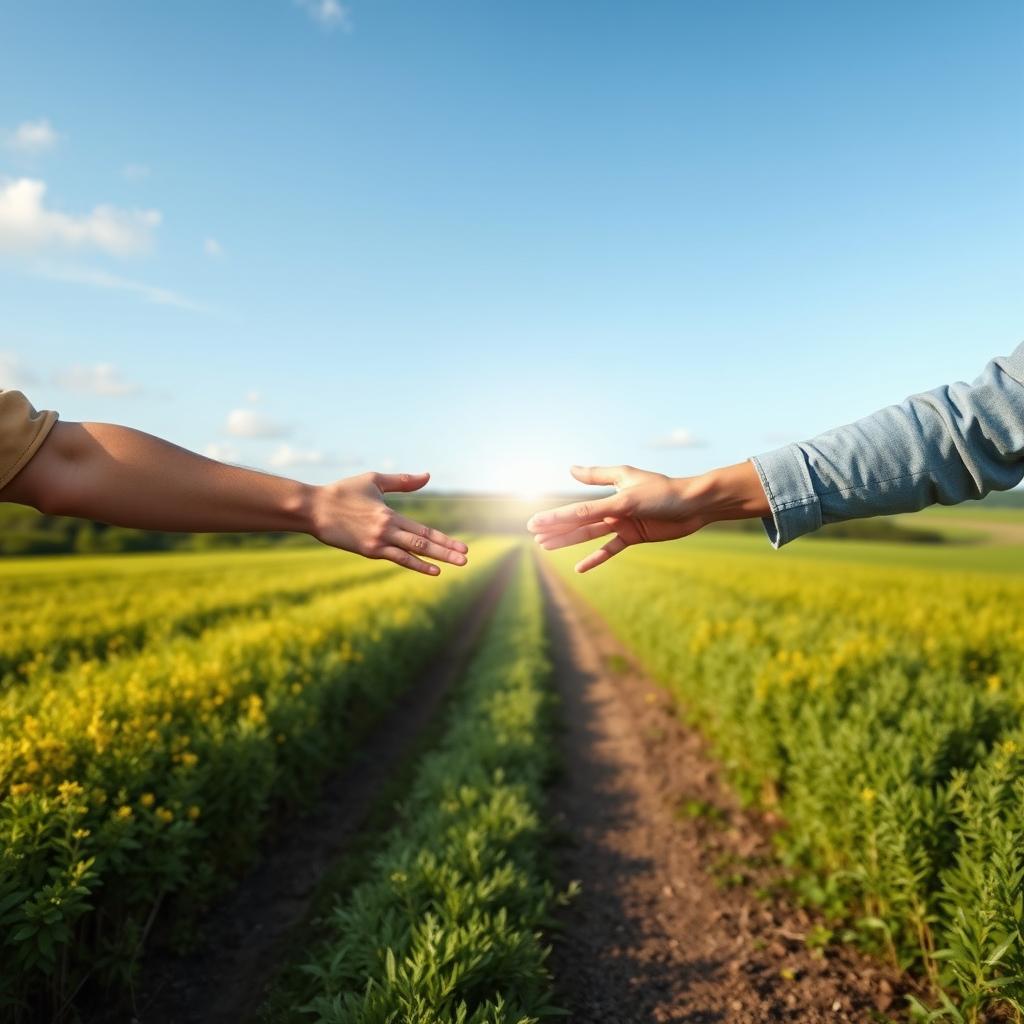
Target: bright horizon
(492, 240)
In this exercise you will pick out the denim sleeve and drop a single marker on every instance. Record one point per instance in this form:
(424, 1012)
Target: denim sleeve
(942, 447)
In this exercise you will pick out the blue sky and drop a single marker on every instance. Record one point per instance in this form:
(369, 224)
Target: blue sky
(491, 239)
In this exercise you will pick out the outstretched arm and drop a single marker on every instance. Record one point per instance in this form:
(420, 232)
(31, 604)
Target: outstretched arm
(943, 446)
(124, 477)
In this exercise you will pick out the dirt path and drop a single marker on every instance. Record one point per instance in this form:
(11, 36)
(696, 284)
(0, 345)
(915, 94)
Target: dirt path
(669, 926)
(247, 938)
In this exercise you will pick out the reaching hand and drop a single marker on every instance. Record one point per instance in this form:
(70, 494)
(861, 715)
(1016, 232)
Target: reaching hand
(647, 507)
(351, 514)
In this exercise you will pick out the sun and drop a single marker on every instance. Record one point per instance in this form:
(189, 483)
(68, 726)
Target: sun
(526, 480)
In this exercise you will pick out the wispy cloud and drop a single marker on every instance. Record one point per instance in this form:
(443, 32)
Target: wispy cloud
(284, 456)
(135, 172)
(329, 14)
(222, 451)
(14, 374)
(113, 282)
(213, 248)
(27, 224)
(252, 424)
(103, 379)
(33, 137)
(679, 438)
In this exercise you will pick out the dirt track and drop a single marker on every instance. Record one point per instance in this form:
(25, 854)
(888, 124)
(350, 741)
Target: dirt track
(247, 938)
(668, 927)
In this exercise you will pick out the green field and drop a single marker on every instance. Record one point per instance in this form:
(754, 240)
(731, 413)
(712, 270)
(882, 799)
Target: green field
(159, 713)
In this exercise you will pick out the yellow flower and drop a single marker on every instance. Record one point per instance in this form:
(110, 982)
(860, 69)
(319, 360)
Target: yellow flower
(67, 791)
(164, 815)
(867, 794)
(124, 813)
(81, 833)
(147, 799)
(993, 683)
(194, 812)
(21, 789)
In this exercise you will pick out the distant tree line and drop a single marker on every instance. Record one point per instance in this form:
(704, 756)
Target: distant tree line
(23, 531)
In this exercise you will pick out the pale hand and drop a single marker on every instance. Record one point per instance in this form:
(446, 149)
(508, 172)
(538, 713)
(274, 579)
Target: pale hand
(648, 507)
(351, 514)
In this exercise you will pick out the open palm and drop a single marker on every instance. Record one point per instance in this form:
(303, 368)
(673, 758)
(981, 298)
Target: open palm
(646, 507)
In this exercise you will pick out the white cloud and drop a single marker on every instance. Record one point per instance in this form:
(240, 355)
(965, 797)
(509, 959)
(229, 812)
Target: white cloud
(284, 456)
(26, 223)
(213, 248)
(113, 282)
(102, 379)
(329, 14)
(33, 137)
(250, 423)
(135, 172)
(14, 374)
(680, 438)
(222, 451)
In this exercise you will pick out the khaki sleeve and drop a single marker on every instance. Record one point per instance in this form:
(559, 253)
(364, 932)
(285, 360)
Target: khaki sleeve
(22, 431)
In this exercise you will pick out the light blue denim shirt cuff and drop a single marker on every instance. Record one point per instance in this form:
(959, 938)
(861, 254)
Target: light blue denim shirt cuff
(791, 497)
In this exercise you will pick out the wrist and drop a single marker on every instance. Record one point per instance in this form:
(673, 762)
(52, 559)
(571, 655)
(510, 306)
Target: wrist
(298, 508)
(729, 492)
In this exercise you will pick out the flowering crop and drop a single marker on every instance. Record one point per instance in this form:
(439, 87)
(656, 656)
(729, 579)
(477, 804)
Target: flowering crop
(446, 925)
(84, 609)
(142, 776)
(878, 710)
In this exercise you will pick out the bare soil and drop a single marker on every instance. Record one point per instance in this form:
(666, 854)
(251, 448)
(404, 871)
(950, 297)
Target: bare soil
(252, 934)
(670, 925)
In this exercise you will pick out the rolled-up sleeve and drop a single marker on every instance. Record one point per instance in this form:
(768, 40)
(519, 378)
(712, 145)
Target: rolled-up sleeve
(944, 446)
(22, 431)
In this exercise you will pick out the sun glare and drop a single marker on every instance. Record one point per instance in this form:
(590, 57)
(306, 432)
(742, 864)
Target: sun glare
(525, 480)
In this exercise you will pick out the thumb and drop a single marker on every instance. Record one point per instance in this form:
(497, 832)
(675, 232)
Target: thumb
(596, 474)
(388, 482)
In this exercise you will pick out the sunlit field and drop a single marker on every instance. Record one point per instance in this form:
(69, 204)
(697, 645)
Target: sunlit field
(871, 695)
(163, 715)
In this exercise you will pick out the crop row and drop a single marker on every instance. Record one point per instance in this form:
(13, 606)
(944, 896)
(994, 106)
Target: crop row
(147, 778)
(445, 927)
(877, 710)
(93, 614)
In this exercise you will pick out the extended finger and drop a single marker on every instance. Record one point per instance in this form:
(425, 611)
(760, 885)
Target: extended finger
(436, 536)
(580, 513)
(553, 541)
(602, 554)
(388, 482)
(426, 548)
(408, 560)
(607, 475)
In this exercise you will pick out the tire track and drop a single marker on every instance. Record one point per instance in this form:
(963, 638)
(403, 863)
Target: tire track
(659, 934)
(247, 939)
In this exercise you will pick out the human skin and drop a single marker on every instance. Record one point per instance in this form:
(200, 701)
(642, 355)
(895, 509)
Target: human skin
(125, 477)
(648, 507)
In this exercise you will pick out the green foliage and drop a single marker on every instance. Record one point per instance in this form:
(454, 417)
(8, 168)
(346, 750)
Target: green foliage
(133, 783)
(878, 710)
(446, 926)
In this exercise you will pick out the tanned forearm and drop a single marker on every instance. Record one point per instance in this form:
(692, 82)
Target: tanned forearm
(124, 477)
